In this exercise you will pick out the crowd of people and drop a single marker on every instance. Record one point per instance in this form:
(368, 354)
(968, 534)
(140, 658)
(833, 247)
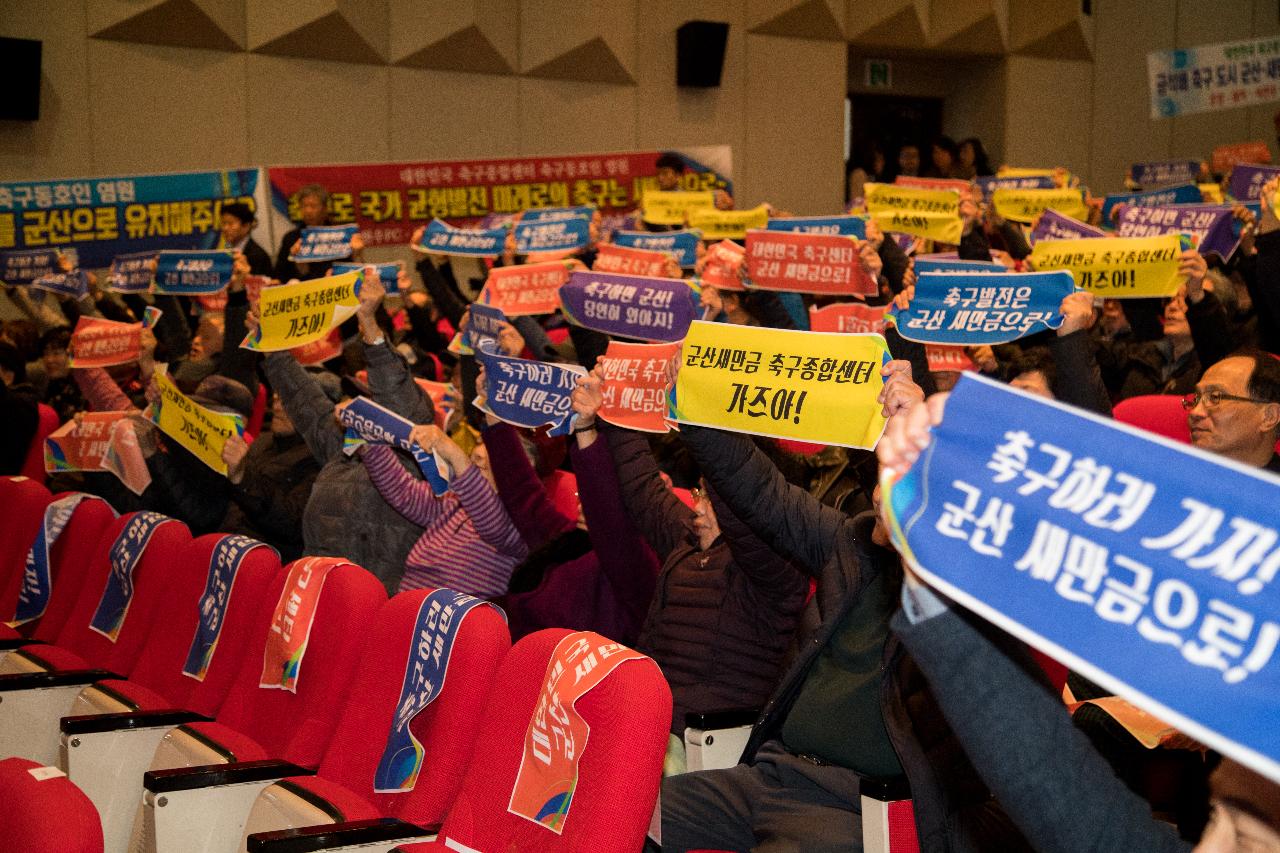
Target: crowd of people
(756, 573)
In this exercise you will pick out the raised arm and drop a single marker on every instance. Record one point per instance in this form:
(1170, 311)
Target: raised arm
(1079, 379)
(407, 495)
(238, 363)
(390, 381)
(520, 489)
(657, 512)
(308, 407)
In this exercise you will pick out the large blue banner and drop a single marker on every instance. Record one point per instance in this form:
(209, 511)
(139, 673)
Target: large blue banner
(190, 273)
(988, 308)
(552, 235)
(125, 553)
(224, 565)
(443, 239)
(630, 306)
(37, 581)
(529, 393)
(25, 267)
(1213, 226)
(682, 244)
(366, 422)
(844, 226)
(1183, 194)
(1146, 565)
(439, 620)
(1053, 225)
(1157, 173)
(104, 217)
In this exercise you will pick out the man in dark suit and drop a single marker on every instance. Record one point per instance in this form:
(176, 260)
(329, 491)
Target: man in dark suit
(237, 222)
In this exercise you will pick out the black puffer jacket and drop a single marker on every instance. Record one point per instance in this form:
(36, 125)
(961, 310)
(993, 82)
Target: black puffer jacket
(269, 502)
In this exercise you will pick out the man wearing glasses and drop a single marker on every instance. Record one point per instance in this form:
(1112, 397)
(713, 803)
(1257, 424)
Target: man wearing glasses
(1235, 409)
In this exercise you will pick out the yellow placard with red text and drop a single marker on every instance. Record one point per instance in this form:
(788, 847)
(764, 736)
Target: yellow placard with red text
(1025, 205)
(932, 214)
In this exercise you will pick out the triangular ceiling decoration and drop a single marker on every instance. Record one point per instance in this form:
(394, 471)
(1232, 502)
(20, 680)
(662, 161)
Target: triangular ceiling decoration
(590, 62)
(468, 50)
(809, 20)
(173, 23)
(330, 37)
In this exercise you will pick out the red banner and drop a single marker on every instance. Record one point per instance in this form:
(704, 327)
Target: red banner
(723, 267)
(635, 386)
(291, 621)
(527, 288)
(102, 343)
(80, 444)
(853, 317)
(1249, 153)
(948, 358)
(629, 261)
(807, 263)
(318, 352)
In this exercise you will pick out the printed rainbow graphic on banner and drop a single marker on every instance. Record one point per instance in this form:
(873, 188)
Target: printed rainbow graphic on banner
(553, 811)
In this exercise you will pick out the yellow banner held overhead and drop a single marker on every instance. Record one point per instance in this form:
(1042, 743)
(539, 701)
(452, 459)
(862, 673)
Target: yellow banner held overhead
(932, 214)
(811, 386)
(728, 224)
(294, 315)
(672, 207)
(1025, 205)
(200, 430)
(1211, 193)
(1117, 267)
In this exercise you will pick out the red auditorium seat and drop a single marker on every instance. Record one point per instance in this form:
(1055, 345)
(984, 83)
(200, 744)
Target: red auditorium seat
(60, 819)
(24, 500)
(46, 423)
(1159, 413)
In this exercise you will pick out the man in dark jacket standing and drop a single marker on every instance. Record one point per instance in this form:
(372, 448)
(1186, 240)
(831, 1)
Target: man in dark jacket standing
(237, 223)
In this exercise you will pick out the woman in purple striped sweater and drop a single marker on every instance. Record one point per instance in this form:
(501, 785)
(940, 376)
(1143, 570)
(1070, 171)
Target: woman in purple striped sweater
(469, 543)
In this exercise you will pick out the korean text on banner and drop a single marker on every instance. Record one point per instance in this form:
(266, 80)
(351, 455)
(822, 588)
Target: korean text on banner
(646, 309)
(628, 261)
(948, 359)
(1054, 226)
(200, 430)
(24, 267)
(723, 266)
(1211, 229)
(320, 243)
(388, 274)
(81, 444)
(74, 284)
(441, 238)
(293, 315)
(291, 621)
(1182, 194)
(367, 422)
(552, 235)
(558, 214)
(132, 273)
(728, 224)
(526, 289)
(1245, 183)
(996, 308)
(1145, 565)
(1025, 205)
(103, 343)
(991, 183)
(682, 244)
(529, 393)
(37, 580)
(188, 273)
(811, 386)
(1213, 77)
(845, 226)
(675, 206)
(484, 323)
(635, 384)
(1116, 268)
(224, 566)
(826, 264)
(125, 554)
(1160, 172)
(848, 317)
(932, 214)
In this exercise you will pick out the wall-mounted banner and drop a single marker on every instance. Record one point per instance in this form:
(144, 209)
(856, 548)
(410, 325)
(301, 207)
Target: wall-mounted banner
(675, 206)
(291, 621)
(1054, 226)
(103, 343)
(811, 386)
(682, 244)
(80, 444)
(646, 309)
(529, 393)
(845, 226)
(526, 289)
(728, 224)
(200, 430)
(224, 565)
(320, 243)
(1211, 229)
(1246, 181)
(188, 273)
(388, 274)
(1145, 565)
(724, 266)
(1025, 205)
(104, 217)
(627, 261)
(366, 422)
(441, 238)
(132, 273)
(390, 200)
(1226, 156)
(922, 265)
(558, 214)
(946, 359)
(552, 235)
(848, 317)
(294, 315)
(964, 309)
(807, 263)
(635, 384)
(991, 183)
(1182, 194)
(1158, 173)
(74, 284)
(932, 214)
(1213, 77)
(24, 267)
(1117, 268)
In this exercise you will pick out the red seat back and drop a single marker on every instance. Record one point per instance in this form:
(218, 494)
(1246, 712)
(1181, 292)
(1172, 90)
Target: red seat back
(619, 769)
(46, 423)
(53, 816)
(562, 489)
(446, 728)
(1159, 413)
(71, 563)
(24, 500)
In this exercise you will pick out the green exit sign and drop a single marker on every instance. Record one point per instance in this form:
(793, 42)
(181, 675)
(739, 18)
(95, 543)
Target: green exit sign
(879, 74)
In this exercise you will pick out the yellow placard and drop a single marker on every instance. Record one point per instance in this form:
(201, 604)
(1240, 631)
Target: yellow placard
(728, 224)
(1116, 267)
(811, 386)
(202, 431)
(1025, 205)
(932, 214)
(1020, 172)
(673, 207)
(1211, 193)
(294, 315)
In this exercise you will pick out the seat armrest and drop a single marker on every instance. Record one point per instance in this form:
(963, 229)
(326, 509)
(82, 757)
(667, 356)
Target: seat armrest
(307, 839)
(215, 775)
(730, 718)
(55, 678)
(885, 790)
(91, 723)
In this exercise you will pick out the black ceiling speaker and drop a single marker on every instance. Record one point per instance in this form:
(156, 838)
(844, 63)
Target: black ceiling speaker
(700, 53)
(20, 71)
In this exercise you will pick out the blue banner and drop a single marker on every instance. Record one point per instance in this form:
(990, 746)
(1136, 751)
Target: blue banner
(191, 273)
(630, 306)
(844, 226)
(443, 239)
(105, 217)
(1143, 564)
(132, 273)
(990, 308)
(991, 183)
(1158, 173)
(37, 582)
(25, 267)
(125, 553)
(929, 265)
(439, 620)
(74, 284)
(388, 274)
(1183, 194)
(483, 325)
(367, 422)
(1212, 226)
(682, 244)
(224, 564)
(319, 243)
(552, 235)
(558, 214)
(1246, 181)
(529, 393)
(1053, 225)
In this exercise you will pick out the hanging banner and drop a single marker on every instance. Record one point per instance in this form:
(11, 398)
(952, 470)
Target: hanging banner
(991, 183)
(189, 273)
(441, 238)
(922, 265)
(1145, 565)
(635, 384)
(1183, 194)
(1211, 230)
(291, 622)
(37, 579)
(74, 284)
(388, 274)
(810, 386)
(132, 273)
(319, 243)
(557, 736)
(647, 309)
(1025, 205)
(439, 622)
(724, 265)
(728, 224)
(1226, 156)
(824, 264)
(224, 565)
(945, 359)
(1161, 172)
(625, 261)
(81, 444)
(552, 235)
(682, 244)
(996, 308)
(199, 430)
(1054, 226)
(294, 315)
(367, 422)
(125, 554)
(932, 214)
(1213, 77)
(1246, 181)
(103, 343)
(24, 267)
(529, 393)
(848, 317)
(675, 207)
(1117, 268)
(845, 226)
(525, 289)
